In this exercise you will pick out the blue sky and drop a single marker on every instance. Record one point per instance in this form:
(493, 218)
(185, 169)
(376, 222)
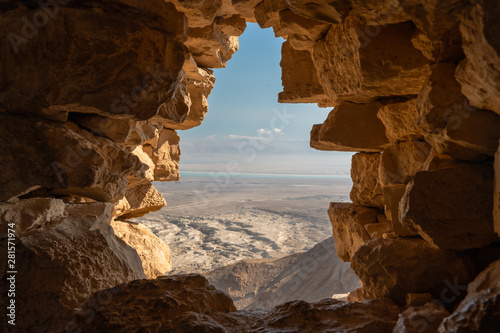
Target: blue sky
(245, 97)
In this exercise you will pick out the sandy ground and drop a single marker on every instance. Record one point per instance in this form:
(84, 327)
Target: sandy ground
(215, 221)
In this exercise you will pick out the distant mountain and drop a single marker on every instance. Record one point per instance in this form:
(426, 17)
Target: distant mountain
(265, 283)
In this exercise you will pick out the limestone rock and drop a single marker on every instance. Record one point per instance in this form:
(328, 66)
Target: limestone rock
(246, 8)
(394, 267)
(321, 10)
(496, 194)
(354, 67)
(166, 156)
(293, 24)
(423, 319)
(400, 162)
(400, 120)
(154, 253)
(299, 79)
(90, 60)
(348, 221)
(450, 122)
(350, 127)
(478, 73)
(267, 13)
(434, 17)
(448, 211)
(200, 13)
(378, 315)
(62, 159)
(63, 260)
(234, 25)
(377, 230)
(149, 304)
(366, 188)
(418, 299)
(479, 311)
(376, 12)
(138, 201)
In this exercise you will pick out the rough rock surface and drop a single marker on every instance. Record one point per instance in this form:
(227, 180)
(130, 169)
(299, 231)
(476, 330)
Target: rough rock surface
(400, 120)
(350, 127)
(479, 311)
(448, 212)
(496, 194)
(394, 267)
(348, 224)
(62, 258)
(149, 304)
(424, 319)
(154, 253)
(478, 73)
(366, 189)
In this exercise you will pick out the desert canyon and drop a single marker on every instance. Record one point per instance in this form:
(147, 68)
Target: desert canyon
(94, 96)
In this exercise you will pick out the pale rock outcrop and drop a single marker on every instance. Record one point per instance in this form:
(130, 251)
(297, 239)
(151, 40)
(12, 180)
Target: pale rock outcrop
(350, 127)
(77, 162)
(138, 201)
(478, 312)
(478, 73)
(352, 66)
(421, 319)
(400, 120)
(448, 211)
(149, 304)
(66, 256)
(246, 8)
(450, 123)
(154, 253)
(348, 225)
(395, 267)
(302, 28)
(165, 156)
(299, 79)
(400, 162)
(366, 188)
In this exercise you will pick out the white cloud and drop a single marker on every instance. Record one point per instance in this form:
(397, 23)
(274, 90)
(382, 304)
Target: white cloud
(278, 131)
(240, 137)
(263, 131)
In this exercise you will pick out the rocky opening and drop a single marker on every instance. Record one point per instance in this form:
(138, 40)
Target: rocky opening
(92, 94)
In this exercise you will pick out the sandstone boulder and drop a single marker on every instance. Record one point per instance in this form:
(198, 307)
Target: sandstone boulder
(448, 211)
(348, 224)
(149, 304)
(350, 127)
(267, 13)
(449, 121)
(359, 67)
(421, 319)
(138, 201)
(366, 188)
(400, 162)
(395, 267)
(299, 79)
(90, 60)
(378, 12)
(479, 311)
(478, 73)
(154, 253)
(165, 156)
(63, 159)
(448, 48)
(63, 259)
(400, 120)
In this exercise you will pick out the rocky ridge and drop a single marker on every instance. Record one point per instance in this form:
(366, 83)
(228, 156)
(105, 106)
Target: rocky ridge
(92, 94)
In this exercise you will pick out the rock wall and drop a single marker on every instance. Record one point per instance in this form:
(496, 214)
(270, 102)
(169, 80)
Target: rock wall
(93, 94)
